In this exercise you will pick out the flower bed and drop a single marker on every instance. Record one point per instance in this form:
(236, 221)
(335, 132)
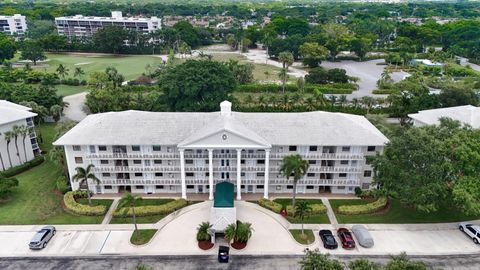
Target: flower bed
(368, 208)
(150, 210)
(81, 209)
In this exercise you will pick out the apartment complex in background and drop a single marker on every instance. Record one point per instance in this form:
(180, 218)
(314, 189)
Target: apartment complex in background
(86, 26)
(11, 115)
(13, 25)
(179, 152)
(466, 114)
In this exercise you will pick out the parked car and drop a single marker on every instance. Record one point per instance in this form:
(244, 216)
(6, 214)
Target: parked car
(363, 236)
(471, 230)
(223, 254)
(328, 240)
(42, 237)
(346, 238)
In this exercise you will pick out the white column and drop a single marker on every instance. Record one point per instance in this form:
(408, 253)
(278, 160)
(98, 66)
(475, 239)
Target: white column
(239, 180)
(182, 173)
(267, 170)
(210, 173)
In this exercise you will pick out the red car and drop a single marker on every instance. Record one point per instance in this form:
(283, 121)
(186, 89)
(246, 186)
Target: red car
(346, 238)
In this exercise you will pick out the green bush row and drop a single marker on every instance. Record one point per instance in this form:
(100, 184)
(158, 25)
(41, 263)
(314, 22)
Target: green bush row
(383, 91)
(82, 209)
(62, 184)
(23, 167)
(150, 210)
(333, 88)
(368, 208)
(317, 209)
(270, 205)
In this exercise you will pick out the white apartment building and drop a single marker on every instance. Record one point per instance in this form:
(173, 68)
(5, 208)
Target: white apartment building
(467, 114)
(86, 26)
(13, 25)
(12, 114)
(180, 152)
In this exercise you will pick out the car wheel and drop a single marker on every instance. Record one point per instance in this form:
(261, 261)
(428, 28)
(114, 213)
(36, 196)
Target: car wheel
(460, 228)
(475, 240)
(54, 232)
(44, 245)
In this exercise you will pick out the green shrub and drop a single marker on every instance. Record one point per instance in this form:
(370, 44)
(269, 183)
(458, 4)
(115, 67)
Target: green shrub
(81, 209)
(317, 209)
(368, 208)
(23, 167)
(151, 210)
(62, 184)
(358, 191)
(383, 91)
(270, 205)
(330, 88)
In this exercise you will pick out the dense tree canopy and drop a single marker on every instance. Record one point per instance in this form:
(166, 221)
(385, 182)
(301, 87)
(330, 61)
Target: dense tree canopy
(7, 48)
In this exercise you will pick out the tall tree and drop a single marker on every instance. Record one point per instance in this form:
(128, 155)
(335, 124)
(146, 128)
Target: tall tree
(110, 39)
(1, 158)
(33, 51)
(8, 135)
(302, 210)
(7, 48)
(56, 112)
(83, 175)
(294, 166)
(313, 54)
(286, 58)
(24, 132)
(16, 133)
(78, 72)
(338, 37)
(62, 71)
(129, 202)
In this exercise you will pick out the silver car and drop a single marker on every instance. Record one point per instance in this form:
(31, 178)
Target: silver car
(42, 237)
(471, 230)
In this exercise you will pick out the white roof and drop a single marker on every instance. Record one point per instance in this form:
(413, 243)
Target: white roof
(11, 112)
(467, 114)
(182, 128)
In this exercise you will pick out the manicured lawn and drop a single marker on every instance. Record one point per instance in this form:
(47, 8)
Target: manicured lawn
(147, 219)
(399, 214)
(297, 234)
(33, 201)
(66, 90)
(96, 202)
(141, 237)
(311, 219)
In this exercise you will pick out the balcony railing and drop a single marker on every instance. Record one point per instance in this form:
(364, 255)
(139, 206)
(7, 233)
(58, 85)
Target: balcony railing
(322, 182)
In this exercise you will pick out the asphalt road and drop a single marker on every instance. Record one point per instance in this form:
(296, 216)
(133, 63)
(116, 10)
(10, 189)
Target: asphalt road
(208, 262)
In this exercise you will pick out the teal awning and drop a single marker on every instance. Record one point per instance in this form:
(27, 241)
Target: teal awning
(223, 195)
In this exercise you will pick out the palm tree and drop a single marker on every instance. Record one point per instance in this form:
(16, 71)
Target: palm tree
(129, 201)
(62, 71)
(302, 209)
(203, 231)
(244, 231)
(78, 72)
(57, 156)
(83, 175)
(272, 99)
(114, 77)
(1, 158)
(248, 100)
(283, 75)
(342, 99)
(355, 102)
(310, 103)
(231, 232)
(296, 166)
(56, 111)
(16, 132)
(24, 131)
(8, 138)
(286, 58)
(368, 102)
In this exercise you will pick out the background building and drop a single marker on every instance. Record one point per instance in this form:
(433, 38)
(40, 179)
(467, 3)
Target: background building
(86, 26)
(11, 115)
(466, 114)
(164, 152)
(13, 25)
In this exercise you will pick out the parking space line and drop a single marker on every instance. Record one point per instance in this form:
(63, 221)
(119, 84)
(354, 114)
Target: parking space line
(104, 242)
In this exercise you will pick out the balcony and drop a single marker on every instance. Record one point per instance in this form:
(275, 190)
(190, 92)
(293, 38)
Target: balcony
(321, 182)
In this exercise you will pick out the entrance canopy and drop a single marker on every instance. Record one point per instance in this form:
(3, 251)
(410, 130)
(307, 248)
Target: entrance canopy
(223, 195)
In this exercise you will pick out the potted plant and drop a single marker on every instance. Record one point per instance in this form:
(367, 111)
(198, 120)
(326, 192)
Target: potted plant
(203, 236)
(239, 234)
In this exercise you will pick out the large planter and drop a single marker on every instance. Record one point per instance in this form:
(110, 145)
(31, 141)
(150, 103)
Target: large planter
(238, 245)
(205, 244)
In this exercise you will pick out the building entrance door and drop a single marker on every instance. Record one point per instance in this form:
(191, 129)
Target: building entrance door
(200, 189)
(150, 189)
(249, 188)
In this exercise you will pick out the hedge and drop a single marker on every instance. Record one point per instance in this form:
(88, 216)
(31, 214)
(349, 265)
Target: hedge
(23, 167)
(81, 209)
(270, 205)
(317, 209)
(383, 91)
(368, 208)
(150, 210)
(332, 88)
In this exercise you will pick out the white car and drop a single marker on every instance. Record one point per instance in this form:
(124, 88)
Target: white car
(472, 230)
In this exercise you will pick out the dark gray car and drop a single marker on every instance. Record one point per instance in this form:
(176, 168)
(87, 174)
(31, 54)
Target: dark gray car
(42, 237)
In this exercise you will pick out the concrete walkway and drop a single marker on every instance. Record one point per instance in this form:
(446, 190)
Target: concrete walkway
(330, 213)
(109, 214)
(75, 110)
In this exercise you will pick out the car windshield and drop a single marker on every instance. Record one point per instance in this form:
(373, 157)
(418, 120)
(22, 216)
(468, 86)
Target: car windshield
(330, 239)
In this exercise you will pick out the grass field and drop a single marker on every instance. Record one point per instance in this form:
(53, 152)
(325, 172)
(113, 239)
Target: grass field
(311, 219)
(141, 237)
(33, 201)
(297, 234)
(147, 219)
(398, 213)
(66, 90)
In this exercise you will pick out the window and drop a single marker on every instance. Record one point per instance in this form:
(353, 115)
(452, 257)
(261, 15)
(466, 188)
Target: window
(102, 148)
(242, 161)
(292, 148)
(147, 162)
(190, 186)
(340, 187)
(242, 186)
(312, 162)
(344, 162)
(367, 174)
(259, 186)
(189, 174)
(157, 148)
(310, 187)
(365, 185)
(135, 147)
(138, 174)
(371, 148)
(157, 161)
(77, 148)
(250, 151)
(103, 161)
(106, 174)
(158, 174)
(342, 175)
(346, 149)
(107, 187)
(260, 161)
(139, 187)
(260, 174)
(189, 161)
(242, 174)
(289, 187)
(313, 148)
(137, 161)
(207, 174)
(310, 174)
(159, 187)
(92, 148)
(78, 160)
